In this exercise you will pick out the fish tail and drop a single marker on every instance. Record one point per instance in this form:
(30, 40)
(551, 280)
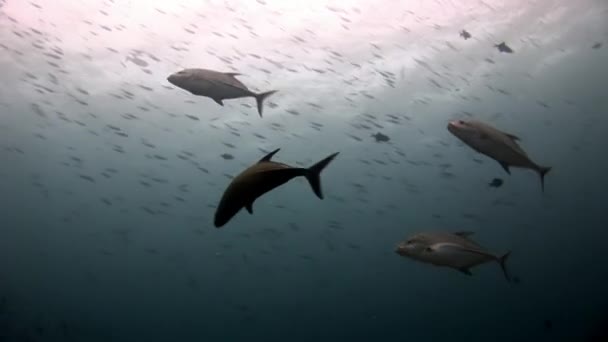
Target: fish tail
(503, 264)
(259, 98)
(313, 174)
(542, 171)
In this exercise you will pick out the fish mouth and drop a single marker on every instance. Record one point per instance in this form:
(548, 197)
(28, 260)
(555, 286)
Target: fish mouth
(451, 126)
(171, 79)
(401, 251)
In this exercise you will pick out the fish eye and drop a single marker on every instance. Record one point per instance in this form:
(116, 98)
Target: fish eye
(461, 122)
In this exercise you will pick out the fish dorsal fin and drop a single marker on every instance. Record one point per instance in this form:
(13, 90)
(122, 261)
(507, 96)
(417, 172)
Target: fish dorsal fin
(268, 157)
(464, 233)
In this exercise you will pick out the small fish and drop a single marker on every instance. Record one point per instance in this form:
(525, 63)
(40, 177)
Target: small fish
(503, 47)
(597, 46)
(455, 250)
(216, 85)
(381, 137)
(496, 183)
(497, 145)
(260, 178)
(465, 34)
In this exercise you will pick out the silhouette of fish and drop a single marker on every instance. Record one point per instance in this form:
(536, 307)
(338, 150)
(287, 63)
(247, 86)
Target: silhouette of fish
(503, 47)
(260, 178)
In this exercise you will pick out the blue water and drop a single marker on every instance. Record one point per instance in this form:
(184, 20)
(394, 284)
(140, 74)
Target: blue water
(110, 175)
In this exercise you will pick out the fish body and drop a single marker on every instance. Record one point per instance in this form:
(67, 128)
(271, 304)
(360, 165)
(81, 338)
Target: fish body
(259, 179)
(216, 85)
(381, 137)
(503, 47)
(454, 250)
(465, 34)
(496, 144)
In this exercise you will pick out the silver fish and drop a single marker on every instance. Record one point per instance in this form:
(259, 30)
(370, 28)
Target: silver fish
(455, 250)
(497, 145)
(216, 85)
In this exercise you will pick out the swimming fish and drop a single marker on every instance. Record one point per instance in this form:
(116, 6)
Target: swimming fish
(381, 137)
(260, 178)
(216, 85)
(455, 250)
(497, 145)
(465, 34)
(503, 47)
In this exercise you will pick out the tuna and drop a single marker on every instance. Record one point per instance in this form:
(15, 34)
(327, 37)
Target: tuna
(259, 179)
(454, 250)
(497, 145)
(216, 85)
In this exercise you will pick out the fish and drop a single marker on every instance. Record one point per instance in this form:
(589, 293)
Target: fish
(381, 137)
(496, 183)
(449, 249)
(503, 47)
(216, 85)
(259, 179)
(465, 34)
(496, 144)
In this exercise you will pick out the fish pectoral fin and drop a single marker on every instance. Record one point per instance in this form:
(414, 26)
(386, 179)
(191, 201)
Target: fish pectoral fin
(218, 101)
(448, 245)
(268, 157)
(505, 166)
(512, 136)
(249, 207)
(464, 233)
(465, 271)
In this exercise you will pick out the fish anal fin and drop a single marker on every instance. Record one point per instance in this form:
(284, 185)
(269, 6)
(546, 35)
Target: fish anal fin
(464, 233)
(268, 157)
(249, 207)
(505, 166)
(218, 101)
(465, 271)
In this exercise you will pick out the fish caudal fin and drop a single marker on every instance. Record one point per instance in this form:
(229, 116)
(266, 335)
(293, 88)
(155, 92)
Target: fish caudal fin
(542, 171)
(259, 98)
(313, 174)
(503, 265)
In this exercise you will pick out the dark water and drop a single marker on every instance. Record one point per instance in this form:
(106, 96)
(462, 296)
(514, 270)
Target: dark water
(110, 175)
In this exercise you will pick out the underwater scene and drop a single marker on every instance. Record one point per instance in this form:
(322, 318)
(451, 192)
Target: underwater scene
(319, 170)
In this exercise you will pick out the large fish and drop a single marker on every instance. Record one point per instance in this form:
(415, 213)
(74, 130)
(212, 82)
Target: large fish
(497, 145)
(216, 85)
(455, 250)
(260, 178)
